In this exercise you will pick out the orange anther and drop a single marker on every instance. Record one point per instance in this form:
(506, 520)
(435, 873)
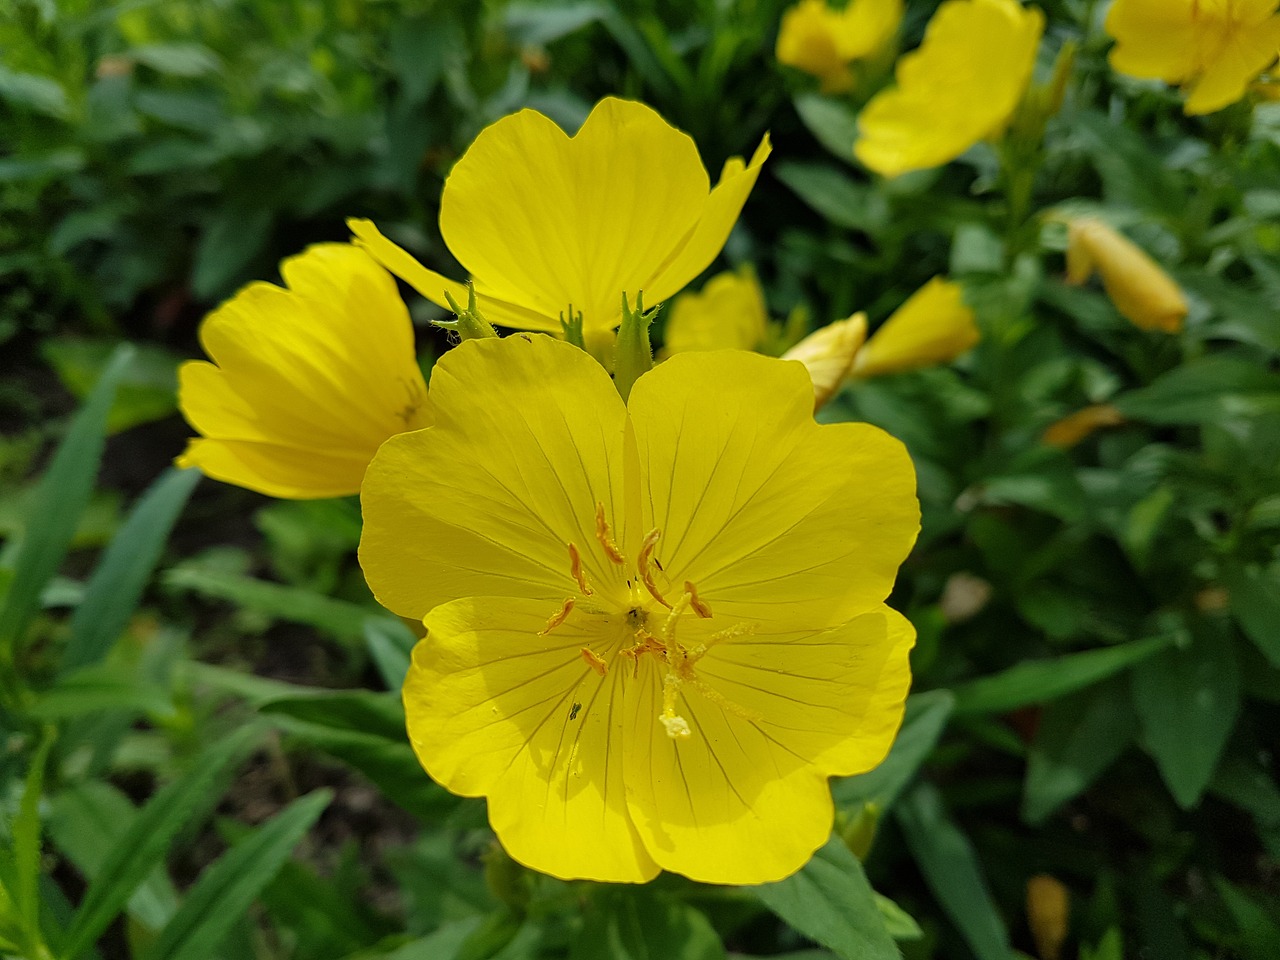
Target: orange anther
(606, 541)
(559, 617)
(642, 566)
(698, 607)
(594, 662)
(575, 568)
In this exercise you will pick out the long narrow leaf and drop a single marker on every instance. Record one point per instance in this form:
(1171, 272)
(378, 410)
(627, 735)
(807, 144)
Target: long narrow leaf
(58, 502)
(229, 886)
(120, 576)
(26, 843)
(146, 842)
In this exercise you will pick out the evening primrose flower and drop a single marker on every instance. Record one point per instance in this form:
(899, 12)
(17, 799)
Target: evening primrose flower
(306, 380)
(822, 41)
(655, 628)
(960, 86)
(829, 354)
(934, 326)
(551, 226)
(1214, 48)
(1141, 291)
(729, 313)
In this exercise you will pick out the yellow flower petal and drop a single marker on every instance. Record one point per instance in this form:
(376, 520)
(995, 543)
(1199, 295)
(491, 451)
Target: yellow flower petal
(866, 26)
(528, 438)
(746, 799)
(747, 493)
(1227, 78)
(934, 326)
(828, 354)
(960, 86)
(808, 41)
(495, 709)
(323, 369)
(1141, 291)
(729, 313)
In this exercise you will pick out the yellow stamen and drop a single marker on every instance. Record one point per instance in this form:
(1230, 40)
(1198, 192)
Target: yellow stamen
(594, 662)
(698, 606)
(642, 565)
(575, 568)
(557, 618)
(606, 541)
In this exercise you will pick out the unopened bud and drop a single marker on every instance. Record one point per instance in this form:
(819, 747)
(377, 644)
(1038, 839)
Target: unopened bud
(859, 830)
(1048, 910)
(1143, 293)
(828, 355)
(1073, 428)
(934, 326)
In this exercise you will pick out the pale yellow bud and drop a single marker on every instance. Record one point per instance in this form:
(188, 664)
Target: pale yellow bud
(1142, 292)
(828, 355)
(1073, 428)
(1048, 910)
(934, 326)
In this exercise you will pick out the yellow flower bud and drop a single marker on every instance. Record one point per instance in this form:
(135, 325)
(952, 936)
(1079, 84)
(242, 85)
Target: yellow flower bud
(1048, 910)
(1073, 428)
(934, 326)
(1142, 292)
(828, 355)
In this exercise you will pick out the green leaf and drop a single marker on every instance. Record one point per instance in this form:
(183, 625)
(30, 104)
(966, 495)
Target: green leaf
(926, 717)
(831, 903)
(836, 195)
(227, 887)
(1079, 737)
(101, 687)
(1256, 924)
(360, 711)
(1187, 701)
(1209, 390)
(635, 924)
(55, 508)
(177, 59)
(391, 646)
(147, 388)
(900, 924)
(831, 122)
(1039, 681)
(26, 847)
(228, 244)
(146, 841)
(952, 871)
(33, 92)
(541, 23)
(1255, 601)
(126, 565)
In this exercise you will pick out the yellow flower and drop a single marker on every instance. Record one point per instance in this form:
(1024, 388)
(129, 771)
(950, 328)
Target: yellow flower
(1074, 427)
(934, 326)
(822, 41)
(960, 86)
(547, 224)
(656, 628)
(728, 314)
(306, 380)
(1142, 292)
(1213, 48)
(828, 354)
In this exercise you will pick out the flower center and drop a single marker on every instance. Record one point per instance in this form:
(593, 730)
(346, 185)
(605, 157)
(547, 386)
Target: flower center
(648, 625)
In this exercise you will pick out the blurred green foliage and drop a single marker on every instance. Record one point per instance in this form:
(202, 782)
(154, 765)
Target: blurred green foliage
(1098, 670)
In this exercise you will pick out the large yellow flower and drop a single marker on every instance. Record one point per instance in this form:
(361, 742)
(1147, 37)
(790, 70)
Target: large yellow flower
(729, 313)
(1214, 48)
(822, 41)
(306, 380)
(960, 86)
(548, 224)
(654, 629)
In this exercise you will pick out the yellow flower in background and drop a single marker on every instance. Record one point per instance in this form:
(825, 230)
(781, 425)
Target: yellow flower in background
(655, 628)
(828, 354)
(729, 313)
(1214, 48)
(1142, 292)
(1075, 427)
(934, 326)
(547, 224)
(306, 380)
(959, 87)
(822, 41)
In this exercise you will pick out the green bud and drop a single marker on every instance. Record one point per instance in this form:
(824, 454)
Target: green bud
(858, 831)
(573, 328)
(470, 323)
(634, 353)
(507, 880)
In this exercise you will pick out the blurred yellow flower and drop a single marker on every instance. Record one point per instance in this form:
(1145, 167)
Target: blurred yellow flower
(1142, 292)
(934, 326)
(306, 380)
(822, 41)
(1074, 427)
(729, 313)
(655, 628)
(960, 86)
(828, 354)
(1048, 914)
(1214, 48)
(548, 225)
